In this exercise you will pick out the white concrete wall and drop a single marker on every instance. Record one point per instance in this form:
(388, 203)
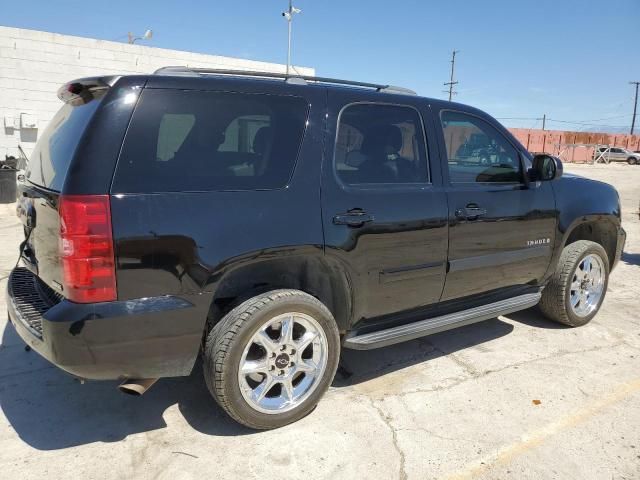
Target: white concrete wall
(34, 64)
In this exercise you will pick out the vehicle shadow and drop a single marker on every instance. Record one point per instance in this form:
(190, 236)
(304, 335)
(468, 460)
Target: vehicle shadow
(360, 366)
(534, 318)
(50, 410)
(631, 258)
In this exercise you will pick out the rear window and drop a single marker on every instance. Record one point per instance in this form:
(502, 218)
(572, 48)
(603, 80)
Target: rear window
(202, 141)
(50, 159)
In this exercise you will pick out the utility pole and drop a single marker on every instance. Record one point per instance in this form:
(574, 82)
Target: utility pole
(289, 16)
(544, 121)
(635, 106)
(451, 81)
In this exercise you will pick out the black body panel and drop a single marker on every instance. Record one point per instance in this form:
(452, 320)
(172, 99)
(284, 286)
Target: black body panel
(493, 251)
(187, 242)
(580, 201)
(143, 338)
(37, 208)
(510, 242)
(397, 261)
(92, 167)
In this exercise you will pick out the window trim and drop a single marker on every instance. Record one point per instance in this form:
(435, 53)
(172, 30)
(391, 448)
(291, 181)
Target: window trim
(523, 172)
(384, 186)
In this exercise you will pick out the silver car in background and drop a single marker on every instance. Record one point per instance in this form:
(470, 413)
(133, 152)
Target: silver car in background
(615, 154)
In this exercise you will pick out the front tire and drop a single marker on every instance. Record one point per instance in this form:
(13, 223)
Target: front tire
(632, 160)
(577, 288)
(269, 361)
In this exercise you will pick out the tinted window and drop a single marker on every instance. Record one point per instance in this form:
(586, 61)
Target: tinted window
(477, 152)
(50, 159)
(200, 141)
(380, 144)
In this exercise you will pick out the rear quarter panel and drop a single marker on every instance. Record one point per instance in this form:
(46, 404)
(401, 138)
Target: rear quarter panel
(186, 243)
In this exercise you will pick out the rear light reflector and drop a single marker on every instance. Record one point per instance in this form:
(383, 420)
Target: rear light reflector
(86, 248)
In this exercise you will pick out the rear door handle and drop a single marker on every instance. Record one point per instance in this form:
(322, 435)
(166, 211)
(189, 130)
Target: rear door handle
(471, 212)
(353, 218)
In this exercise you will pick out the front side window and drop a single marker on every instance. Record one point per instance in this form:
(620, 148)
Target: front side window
(204, 141)
(477, 152)
(380, 144)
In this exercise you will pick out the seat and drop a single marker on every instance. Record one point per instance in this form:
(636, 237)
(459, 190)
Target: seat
(261, 140)
(381, 145)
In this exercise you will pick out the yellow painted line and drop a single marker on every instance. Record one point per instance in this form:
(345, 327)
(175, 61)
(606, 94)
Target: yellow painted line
(533, 439)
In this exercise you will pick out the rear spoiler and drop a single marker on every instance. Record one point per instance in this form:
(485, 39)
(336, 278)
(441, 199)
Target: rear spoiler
(83, 90)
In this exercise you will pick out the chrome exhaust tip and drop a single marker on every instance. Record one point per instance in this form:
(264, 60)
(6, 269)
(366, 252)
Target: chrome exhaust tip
(136, 386)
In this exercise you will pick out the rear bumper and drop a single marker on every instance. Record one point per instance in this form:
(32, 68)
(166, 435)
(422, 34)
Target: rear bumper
(142, 338)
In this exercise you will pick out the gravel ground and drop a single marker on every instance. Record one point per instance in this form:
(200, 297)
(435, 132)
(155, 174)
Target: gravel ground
(514, 397)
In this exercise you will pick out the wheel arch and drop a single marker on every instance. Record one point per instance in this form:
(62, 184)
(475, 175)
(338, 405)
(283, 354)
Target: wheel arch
(601, 229)
(311, 274)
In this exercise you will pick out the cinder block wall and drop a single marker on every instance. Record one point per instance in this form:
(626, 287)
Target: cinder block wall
(34, 64)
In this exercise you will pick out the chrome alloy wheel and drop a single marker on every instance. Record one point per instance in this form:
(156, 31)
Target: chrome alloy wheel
(283, 363)
(587, 285)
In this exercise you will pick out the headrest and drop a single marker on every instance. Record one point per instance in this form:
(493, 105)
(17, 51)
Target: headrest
(382, 138)
(261, 139)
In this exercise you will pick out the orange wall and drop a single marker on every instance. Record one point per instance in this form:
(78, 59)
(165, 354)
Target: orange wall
(556, 142)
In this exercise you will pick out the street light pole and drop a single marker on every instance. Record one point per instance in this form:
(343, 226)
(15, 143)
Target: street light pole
(289, 38)
(289, 16)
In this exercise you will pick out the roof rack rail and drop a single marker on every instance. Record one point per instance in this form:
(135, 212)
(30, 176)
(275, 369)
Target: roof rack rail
(295, 78)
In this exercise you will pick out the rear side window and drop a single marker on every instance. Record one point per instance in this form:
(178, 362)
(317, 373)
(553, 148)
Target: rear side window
(50, 160)
(203, 141)
(380, 144)
(477, 152)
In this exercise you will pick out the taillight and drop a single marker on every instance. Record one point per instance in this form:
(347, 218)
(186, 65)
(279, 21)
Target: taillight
(86, 248)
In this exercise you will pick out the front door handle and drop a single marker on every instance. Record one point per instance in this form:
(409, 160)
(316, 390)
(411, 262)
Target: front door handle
(353, 218)
(471, 212)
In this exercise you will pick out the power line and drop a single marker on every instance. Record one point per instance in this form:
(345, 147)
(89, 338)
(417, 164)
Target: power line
(608, 118)
(585, 123)
(568, 122)
(539, 118)
(517, 118)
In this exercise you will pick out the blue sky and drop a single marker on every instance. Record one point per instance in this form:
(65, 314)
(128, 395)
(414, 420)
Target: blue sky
(570, 59)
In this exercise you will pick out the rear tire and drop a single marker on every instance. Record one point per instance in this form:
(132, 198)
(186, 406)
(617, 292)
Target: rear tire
(269, 361)
(577, 288)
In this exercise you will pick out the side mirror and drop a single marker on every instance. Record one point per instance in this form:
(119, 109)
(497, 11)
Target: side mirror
(545, 167)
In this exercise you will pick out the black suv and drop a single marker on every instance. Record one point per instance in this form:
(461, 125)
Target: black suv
(268, 221)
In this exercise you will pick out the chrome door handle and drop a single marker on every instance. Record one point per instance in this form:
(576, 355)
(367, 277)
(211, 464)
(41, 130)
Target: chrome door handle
(353, 218)
(470, 212)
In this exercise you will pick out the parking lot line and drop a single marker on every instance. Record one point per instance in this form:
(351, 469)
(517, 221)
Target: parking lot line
(535, 438)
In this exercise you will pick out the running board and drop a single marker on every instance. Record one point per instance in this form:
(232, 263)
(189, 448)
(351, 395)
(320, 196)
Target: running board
(390, 336)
